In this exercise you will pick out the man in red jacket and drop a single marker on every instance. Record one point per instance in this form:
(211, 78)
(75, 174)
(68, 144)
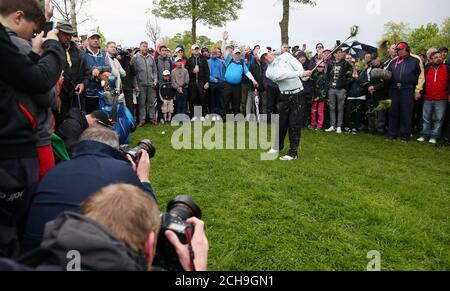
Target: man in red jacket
(437, 79)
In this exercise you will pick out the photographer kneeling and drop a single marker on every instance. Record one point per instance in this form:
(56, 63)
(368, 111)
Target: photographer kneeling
(97, 162)
(117, 230)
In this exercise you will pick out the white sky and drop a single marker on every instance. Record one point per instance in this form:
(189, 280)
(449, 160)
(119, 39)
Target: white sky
(124, 21)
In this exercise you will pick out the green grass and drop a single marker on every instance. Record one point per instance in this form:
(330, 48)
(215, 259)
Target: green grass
(346, 196)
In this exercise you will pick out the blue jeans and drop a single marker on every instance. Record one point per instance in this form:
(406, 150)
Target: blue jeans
(181, 102)
(433, 118)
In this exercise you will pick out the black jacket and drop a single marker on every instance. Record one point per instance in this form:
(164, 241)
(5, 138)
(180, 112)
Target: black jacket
(308, 85)
(258, 72)
(320, 81)
(359, 86)
(344, 75)
(166, 92)
(21, 77)
(78, 73)
(73, 126)
(203, 76)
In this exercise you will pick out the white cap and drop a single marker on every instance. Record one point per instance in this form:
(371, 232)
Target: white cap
(262, 52)
(93, 33)
(177, 59)
(195, 47)
(236, 51)
(166, 73)
(178, 49)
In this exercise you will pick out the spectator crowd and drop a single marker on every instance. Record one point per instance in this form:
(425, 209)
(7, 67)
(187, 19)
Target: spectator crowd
(60, 163)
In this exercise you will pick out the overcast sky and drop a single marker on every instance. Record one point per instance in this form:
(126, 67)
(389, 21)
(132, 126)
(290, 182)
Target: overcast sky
(124, 21)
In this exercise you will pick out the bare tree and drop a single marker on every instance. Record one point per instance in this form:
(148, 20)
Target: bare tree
(153, 31)
(69, 10)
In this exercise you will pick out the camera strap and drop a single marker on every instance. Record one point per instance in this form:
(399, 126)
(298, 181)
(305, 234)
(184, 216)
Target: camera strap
(188, 233)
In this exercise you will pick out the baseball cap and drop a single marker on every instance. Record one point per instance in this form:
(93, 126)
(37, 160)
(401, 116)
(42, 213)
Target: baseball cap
(102, 118)
(236, 51)
(195, 47)
(401, 46)
(300, 54)
(262, 52)
(178, 49)
(93, 33)
(178, 60)
(166, 73)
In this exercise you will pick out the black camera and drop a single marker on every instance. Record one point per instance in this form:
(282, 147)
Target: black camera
(178, 211)
(145, 145)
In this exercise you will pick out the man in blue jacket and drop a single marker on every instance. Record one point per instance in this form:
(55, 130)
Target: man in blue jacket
(405, 77)
(235, 71)
(97, 162)
(216, 79)
(99, 64)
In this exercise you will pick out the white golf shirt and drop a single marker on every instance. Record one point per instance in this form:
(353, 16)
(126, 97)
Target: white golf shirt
(286, 72)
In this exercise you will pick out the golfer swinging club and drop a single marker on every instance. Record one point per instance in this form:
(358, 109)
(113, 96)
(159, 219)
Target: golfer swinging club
(286, 72)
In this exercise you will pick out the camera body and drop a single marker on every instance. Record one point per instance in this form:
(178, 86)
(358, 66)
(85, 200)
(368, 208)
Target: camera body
(178, 211)
(145, 145)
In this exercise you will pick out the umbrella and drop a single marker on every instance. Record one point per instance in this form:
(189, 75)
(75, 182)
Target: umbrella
(357, 49)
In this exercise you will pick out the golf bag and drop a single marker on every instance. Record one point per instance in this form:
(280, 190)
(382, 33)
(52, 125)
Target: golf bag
(113, 103)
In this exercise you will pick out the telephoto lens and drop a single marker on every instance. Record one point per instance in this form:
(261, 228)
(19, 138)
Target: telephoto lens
(178, 211)
(145, 145)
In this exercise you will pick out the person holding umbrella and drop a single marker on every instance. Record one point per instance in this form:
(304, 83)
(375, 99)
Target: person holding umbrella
(286, 72)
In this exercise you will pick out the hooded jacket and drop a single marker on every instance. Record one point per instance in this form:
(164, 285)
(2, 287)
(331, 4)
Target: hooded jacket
(24, 80)
(99, 249)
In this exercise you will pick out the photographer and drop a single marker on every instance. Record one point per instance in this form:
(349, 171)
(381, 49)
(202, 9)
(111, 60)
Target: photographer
(24, 80)
(76, 122)
(117, 230)
(97, 162)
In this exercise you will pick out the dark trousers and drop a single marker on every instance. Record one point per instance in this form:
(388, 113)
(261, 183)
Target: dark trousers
(129, 101)
(354, 113)
(181, 102)
(417, 123)
(290, 109)
(92, 104)
(216, 97)
(446, 129)
(401, 113)
(197, 97)
(307, 102)
(273, 94)
(19, 177)
(68, 101)
(231, 93)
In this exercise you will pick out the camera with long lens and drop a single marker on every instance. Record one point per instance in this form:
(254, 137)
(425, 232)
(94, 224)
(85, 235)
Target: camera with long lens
(145, 145)
(178, 211)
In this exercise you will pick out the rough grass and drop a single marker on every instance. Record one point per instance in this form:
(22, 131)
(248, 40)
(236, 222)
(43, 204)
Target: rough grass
(346, 196)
